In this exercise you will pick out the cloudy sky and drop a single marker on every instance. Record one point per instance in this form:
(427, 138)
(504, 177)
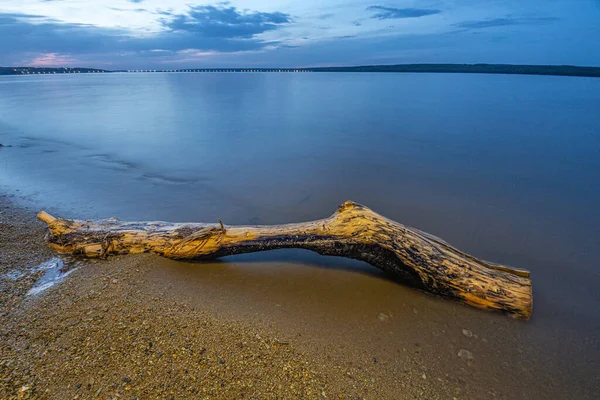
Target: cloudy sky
(124, 34)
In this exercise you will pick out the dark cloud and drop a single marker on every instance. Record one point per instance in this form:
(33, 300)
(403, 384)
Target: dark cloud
(225, 22)
(399, 13)
(505, 21)
(356, 23)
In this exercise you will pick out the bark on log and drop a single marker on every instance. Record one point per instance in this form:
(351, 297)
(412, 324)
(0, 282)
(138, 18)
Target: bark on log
(354, 231)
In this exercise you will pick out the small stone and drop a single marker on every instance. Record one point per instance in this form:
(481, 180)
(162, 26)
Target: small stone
(467, 333)
(114, 281)
(22, 391)
(465, 354)
(126, 379)
(424, 376)
(383, 317)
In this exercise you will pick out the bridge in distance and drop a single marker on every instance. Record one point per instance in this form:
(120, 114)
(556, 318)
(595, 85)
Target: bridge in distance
(223, 70)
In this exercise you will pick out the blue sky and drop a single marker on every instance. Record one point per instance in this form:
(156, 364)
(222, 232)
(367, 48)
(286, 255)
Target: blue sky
(160, 34)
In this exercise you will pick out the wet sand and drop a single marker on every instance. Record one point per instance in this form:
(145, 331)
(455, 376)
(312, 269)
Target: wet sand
(283, 324)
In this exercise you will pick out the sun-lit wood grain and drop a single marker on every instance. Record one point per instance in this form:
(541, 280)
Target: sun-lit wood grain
(353, 231)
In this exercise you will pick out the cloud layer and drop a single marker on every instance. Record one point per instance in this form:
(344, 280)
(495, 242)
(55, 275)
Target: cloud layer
(149, 34)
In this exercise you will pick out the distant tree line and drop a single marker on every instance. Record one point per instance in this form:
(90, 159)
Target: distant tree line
(564, 70)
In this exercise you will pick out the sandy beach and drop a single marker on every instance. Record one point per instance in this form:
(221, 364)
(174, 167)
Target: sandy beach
(145, 327)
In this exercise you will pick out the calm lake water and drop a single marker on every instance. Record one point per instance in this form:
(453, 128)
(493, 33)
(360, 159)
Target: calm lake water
(504, 167)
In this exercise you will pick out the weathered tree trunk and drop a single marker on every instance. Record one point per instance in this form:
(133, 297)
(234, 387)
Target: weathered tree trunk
(354, 231)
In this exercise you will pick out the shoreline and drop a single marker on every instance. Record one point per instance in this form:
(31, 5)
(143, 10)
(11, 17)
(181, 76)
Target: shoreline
(279, 325)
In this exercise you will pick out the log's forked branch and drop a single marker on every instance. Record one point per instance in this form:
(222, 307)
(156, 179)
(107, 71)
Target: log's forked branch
(354, 231)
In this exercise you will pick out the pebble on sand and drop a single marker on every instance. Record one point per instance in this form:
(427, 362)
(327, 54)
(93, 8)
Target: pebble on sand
(465, 354)
(383, 317)
(22, 391)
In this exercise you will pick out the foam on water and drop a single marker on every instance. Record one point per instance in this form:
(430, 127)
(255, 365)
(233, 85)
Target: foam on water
(54, 272)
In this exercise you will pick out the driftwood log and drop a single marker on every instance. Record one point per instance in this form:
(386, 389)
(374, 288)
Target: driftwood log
(354, 231)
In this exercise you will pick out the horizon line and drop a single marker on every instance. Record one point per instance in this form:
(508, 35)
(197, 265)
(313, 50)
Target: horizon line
(311, 67)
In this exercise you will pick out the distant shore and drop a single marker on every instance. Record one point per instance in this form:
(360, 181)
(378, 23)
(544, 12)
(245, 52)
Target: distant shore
(48, 70)
(558, 70)
(510, 69)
